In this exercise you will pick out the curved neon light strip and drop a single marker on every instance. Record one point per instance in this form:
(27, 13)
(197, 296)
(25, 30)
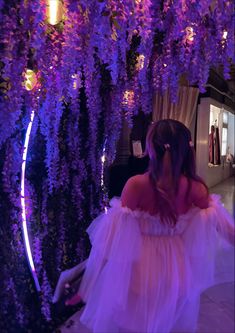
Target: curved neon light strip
(23, 208)
(103, 158)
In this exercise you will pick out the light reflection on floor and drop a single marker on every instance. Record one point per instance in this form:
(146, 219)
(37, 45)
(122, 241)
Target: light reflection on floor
(226, 190)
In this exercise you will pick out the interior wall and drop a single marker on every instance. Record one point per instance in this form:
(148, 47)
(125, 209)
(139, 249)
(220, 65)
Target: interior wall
(216, 173)
(192, 126)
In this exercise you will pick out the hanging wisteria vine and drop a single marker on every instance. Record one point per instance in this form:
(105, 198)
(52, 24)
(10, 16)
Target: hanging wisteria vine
(82, 70)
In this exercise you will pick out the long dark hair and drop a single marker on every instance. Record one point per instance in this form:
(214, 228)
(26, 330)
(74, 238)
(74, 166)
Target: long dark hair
(169, 144)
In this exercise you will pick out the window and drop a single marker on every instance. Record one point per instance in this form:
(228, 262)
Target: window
(224, 133)
(214, 116)
(214, 144)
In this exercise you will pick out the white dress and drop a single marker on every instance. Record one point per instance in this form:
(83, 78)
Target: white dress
(143, 276)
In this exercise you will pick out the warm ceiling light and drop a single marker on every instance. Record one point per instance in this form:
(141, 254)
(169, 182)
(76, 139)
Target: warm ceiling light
(54, 11)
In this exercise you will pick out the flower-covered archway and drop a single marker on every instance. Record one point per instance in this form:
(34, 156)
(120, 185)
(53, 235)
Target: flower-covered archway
(79, 67)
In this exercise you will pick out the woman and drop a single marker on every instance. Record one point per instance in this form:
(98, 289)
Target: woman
(153, 252)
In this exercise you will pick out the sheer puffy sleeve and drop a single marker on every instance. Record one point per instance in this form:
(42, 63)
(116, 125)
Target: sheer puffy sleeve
(209, 242)
(116, 241)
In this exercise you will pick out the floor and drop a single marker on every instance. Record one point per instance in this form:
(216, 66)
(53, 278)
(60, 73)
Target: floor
(217, 303)
(226, 190)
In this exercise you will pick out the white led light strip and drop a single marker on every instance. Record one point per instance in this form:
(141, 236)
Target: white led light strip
(23, 208)
(103, 158)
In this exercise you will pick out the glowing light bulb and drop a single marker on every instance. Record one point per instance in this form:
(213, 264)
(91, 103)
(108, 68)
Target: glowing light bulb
(30, 79)
(103, 158)
(54, 11)
(140, 62)
(128, 97)
(76, 81)
(189, 35)
(225, 34)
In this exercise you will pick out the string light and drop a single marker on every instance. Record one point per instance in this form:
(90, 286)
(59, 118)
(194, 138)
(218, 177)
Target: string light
(76, 81)
(224, 38)
(103, 159)
(23, 206)
(128, 98)
(225, 34)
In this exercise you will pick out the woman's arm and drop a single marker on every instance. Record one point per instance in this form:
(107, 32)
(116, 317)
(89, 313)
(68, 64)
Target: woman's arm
(67, 277)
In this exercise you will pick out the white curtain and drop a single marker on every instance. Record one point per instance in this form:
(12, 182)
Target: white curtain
(183, 110)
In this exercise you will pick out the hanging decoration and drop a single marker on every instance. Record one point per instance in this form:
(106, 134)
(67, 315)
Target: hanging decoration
(65, 38)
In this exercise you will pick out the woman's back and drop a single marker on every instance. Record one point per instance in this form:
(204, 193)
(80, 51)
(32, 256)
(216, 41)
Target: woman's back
(139, 194)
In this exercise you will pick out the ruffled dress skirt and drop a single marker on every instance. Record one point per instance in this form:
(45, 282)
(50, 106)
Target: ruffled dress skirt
(143, 276)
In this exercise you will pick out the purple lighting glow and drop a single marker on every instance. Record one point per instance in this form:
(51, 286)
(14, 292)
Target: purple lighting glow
(23, 207)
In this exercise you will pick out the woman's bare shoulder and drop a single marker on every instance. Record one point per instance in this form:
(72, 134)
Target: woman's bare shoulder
(199, 194)
(137, 181)
(132, 191)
